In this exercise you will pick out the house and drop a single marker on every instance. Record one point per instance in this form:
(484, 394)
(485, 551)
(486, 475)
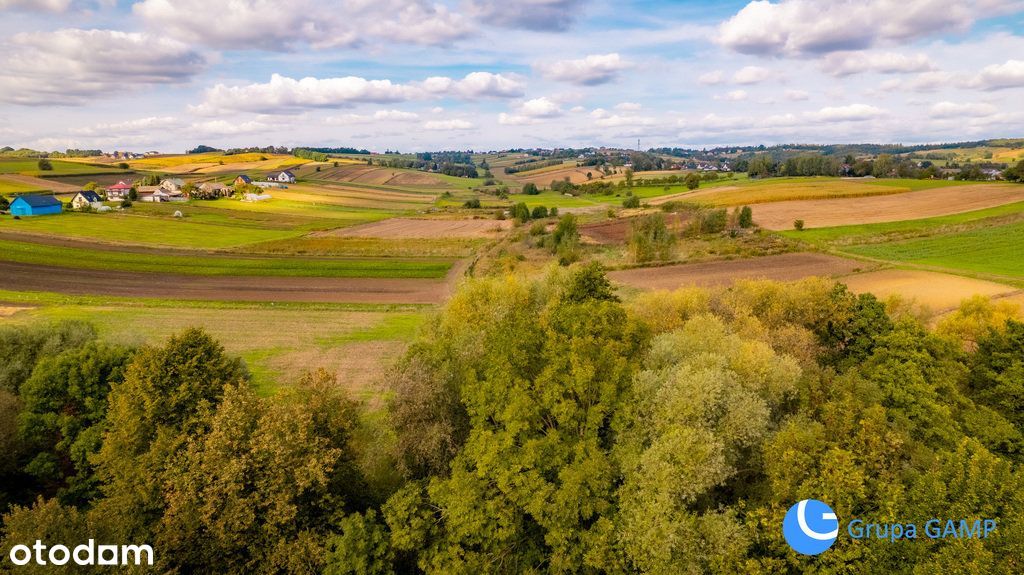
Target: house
(159, 194)
(33, 205)
(86, 198)
(119, 191)
(242, 180)
(172, 184)
(210, 190)
(285, 177)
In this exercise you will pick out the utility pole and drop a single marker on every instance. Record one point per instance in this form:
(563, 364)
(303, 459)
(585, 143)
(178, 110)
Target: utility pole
(638, 144)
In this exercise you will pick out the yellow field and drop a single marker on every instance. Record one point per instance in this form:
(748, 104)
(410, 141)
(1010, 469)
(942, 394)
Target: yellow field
(216, 161)
(787, 189)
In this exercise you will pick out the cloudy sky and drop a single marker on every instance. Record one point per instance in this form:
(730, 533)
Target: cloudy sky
(488, 74)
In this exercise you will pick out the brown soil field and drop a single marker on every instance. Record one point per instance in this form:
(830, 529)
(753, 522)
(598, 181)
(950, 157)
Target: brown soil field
(888, 208)
(544, 178)
(401, 228)
(617, 231)
(55, 186)
(332, 189)
(28, 277)
(936, 290)
(784, 267)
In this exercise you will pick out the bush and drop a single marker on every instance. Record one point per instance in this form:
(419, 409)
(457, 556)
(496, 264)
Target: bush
(746, 217)
(530, 189)
(521, 213)
(798, 225)
(566, 240)
(123, 165)
(631, 202)
(709, 221)
(553, 212)
(692, 181)
(4, 203)
(539, 212)
(537, 228)
(472, 203)
(126, 203)
(650, 239)
(44, 164)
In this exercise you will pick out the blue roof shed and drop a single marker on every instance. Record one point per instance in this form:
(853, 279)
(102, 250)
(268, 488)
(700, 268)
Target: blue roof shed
(30, 205)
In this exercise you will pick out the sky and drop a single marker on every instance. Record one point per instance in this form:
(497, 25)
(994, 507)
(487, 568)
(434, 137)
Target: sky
(417, 75)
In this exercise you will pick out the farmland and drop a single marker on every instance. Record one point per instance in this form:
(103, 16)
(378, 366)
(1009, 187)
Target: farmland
(60, 168)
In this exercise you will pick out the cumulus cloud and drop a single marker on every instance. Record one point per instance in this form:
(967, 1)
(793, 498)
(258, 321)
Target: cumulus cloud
(531, 112)
(961, 110)
(711, 78)
(286, 95)
(1000, 76)
(589, 71)
(274, 25)
(923, 82)
(851, 113)
(129, 127)
(751, 75)
(849, 63)
(809, 27)
(548, 15)
(448, 125)
(378, 116)
(606, 119)
(69, 66)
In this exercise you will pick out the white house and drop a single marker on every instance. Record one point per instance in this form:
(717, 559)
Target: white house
(172, 184)
(86, 198)
(285, 177)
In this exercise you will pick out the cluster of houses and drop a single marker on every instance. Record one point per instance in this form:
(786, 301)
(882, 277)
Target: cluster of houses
(168, 190)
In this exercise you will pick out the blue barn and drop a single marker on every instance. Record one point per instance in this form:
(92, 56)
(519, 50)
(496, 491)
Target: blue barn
(35, 206)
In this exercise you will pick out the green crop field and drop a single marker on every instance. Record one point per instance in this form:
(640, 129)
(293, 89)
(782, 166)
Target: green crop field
(216, 265)
(989, 250)
(143, 230)
(31, 167)
(10, 188)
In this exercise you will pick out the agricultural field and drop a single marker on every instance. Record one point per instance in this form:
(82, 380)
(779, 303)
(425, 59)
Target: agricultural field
(408, 228)
(9, 187)
(749, 192)
(215, 162)
(30, 167)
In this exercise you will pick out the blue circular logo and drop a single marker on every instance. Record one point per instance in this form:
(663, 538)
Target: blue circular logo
(810, 527)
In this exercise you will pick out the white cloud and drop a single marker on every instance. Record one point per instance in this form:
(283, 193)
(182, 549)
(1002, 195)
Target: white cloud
(711, 78)
(751, 75)
(531, 112)
(796, 95)
(448, 125)
(71, 66)
(733, 96)
(286, 95)
(127, 127)
(378, 116)
(849, 63)
(526, 14)
(1000, 76)
(590, 71)
(273, 25)
(851, 113)
(228, 128)
(806, 27)
(961, 110)
(40, 5)
(923, 82)
(628, 106)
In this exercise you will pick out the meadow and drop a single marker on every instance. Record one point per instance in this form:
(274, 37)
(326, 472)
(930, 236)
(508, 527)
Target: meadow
(60, 167)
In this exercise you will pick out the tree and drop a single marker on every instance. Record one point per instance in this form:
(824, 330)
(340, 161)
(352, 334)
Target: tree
(692, 181)
(530, 189)
(566, 239)
(5, 204)
(133, 194)
(24, 346)
(539, 212)
(997, 372)
(798, 225)
(521, 213)
(746, 219)
(472, 203)
(629, 177)
(649, 239)
(65, 404)
(90, 186)
(44, 165)
(631, 201)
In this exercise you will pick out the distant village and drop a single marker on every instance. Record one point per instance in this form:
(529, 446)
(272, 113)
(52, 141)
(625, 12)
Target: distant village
(169, 189)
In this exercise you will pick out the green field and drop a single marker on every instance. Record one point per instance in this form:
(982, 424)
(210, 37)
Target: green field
(31, 167)
(988, 250)
(277, 342)
(218, 265)
(10, 188)
(143, 230)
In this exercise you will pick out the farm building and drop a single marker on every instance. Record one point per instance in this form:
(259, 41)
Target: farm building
(119, 191)
(32, 205)
(242, 180)
(211, 190)
(86, 198)
(285, 177)
(172, 184)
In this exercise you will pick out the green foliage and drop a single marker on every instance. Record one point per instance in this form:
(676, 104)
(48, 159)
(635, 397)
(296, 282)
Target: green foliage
(566, 240)
(649, 239)
(631, 201)
(854, 325)
(362, 548)
(472, 203)
(708, 221)
(5, 204)
(589, 283)
(530, 189)
(61, 425)
(746, 219)
(539, 212)
(798, 225)
(521, 213)
(1014, 173)
(692, 181)
(997, 372)
(23, 347)
(45, 165)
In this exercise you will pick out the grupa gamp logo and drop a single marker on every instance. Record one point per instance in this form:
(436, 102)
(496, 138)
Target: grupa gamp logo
(810, 527)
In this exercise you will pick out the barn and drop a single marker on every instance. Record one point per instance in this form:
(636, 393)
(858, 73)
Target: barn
(31, 205)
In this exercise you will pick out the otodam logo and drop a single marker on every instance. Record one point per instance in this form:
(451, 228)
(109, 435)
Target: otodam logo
(810, 527)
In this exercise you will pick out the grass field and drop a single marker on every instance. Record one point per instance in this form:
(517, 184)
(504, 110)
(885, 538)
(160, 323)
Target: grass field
(25, 252)
(143, 230)
(31, 167)
(277, 343)
(989, 250)
(9, 188)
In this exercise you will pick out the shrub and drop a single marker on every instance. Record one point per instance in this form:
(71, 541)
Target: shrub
(537, 228)
(44, 164)
(521, 212)
(631, 202)
(126, 203)
(565, 240)
(746, 217)
(539, 212)
(473, 203)
(798, 225)
(649, 239)
(553, 212)
(692, 181)
(530, 189)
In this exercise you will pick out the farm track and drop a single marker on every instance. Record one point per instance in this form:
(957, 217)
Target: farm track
(29, 277)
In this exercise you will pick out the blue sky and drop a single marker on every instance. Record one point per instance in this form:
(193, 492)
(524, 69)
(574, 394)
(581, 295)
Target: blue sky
(484, 74)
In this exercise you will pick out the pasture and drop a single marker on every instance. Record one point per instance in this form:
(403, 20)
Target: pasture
(30, 167)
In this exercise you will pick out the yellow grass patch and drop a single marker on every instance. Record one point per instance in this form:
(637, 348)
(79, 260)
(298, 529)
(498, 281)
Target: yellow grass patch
(937, 291)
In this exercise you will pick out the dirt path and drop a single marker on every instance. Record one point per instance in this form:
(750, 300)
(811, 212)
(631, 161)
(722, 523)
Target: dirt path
(784, 267)
(28, 277)
(886, 208)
